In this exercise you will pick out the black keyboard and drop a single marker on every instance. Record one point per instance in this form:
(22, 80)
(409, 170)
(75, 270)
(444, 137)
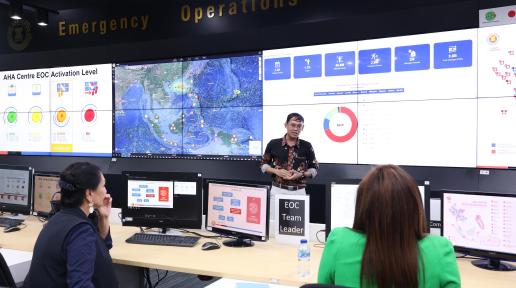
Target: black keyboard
(163, 239)
(6, 222)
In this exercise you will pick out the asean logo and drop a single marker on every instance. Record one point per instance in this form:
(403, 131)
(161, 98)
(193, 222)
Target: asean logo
(19, 34)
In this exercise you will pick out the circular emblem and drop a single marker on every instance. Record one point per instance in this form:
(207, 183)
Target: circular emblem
(490, 16)
(493, 38)
(19, 34)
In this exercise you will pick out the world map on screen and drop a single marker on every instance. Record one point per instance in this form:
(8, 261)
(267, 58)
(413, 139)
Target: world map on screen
(200, 107)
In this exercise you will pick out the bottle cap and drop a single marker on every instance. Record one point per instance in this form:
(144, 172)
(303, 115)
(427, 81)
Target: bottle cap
(304, 241)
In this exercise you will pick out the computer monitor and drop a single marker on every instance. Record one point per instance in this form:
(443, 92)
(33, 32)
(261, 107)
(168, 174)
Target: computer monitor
(15, 189)
(240, 210)
(481, 224)
(162, 199)
(341, 199)
(46, 188)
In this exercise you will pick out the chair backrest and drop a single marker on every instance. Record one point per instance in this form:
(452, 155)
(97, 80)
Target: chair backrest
(314, 285)
(6, 278)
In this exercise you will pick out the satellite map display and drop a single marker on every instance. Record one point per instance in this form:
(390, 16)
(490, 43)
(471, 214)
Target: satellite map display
(211, 106)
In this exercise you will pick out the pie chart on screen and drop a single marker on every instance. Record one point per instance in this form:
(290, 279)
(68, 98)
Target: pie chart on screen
(340, 124)
(61, 117)
(89, 114)
(35, 115)
(10, 116)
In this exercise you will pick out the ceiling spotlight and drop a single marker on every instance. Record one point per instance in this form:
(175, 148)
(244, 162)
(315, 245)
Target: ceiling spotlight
(42, 19)
(15, 10)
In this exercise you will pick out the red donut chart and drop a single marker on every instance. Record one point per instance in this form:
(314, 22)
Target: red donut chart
(352, 130)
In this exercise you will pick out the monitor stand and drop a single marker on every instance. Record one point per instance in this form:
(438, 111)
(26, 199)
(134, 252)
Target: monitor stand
(493, 264)
(239, 242)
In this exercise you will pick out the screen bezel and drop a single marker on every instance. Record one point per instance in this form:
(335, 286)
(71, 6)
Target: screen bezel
(475, 251)
(426, 200)
(43, 174)
(24, 209)
(162, 217)
(238, 234)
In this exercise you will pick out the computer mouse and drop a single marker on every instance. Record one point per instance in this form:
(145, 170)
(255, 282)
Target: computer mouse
(11, 229)
(210, 246)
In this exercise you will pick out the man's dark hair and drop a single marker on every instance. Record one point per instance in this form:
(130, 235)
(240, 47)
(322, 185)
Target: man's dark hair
(74, 181)
(296, 116)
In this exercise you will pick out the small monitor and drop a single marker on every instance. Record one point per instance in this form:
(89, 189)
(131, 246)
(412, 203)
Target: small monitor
(341, 199)
(46, 188)
(240, 210)
(15, 189)
(481, 224)
(162, 199)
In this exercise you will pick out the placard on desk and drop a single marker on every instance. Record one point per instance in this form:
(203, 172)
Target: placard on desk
(292, 216)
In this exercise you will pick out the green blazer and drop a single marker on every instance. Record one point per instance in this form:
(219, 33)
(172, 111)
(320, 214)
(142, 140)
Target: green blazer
(342, 259)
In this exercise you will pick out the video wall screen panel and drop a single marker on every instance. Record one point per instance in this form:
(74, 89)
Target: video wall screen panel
(201, 107)
(58, 111)
(437, 99)
(407, 100)
(497, 96)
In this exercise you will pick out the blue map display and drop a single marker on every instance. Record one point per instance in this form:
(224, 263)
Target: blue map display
(202, 107)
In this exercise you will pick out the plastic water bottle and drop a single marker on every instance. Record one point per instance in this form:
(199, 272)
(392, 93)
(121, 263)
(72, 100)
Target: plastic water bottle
(303, 259)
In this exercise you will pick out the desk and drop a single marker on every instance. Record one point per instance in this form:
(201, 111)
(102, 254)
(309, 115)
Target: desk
(18, 262)
(265, 262)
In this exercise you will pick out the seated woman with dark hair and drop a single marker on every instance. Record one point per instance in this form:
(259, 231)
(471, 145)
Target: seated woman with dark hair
(72, 250)
(387, 246)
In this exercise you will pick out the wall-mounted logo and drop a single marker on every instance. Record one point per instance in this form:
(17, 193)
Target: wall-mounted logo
(490, 16)
(19, 35)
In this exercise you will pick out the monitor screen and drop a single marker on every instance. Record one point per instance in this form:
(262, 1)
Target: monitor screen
(15, 189)
(480, 224)
(341, 199)
(238, 209)
(162, 199)
(45, 187)
(196, 107)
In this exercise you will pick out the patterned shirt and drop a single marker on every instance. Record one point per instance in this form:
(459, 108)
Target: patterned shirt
(300, 157)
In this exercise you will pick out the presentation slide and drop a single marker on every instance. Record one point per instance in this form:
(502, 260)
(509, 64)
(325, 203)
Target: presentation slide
(480, 222)
(330, 128)
(497, 97)
(320, 83)
(407, 100)
(237, 208)
(81, 110)
(428, 133)
(58, 111)
(497, 61)
(418, 67)
(150, 194)
(25, 110)
(209, 106)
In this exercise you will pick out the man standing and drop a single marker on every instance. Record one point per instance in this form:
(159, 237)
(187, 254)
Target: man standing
(290, 161)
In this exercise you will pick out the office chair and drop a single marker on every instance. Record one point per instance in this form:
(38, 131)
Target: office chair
(6, 278)
(314, 285)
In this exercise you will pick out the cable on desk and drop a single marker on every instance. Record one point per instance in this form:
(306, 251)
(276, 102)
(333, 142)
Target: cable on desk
(199, 234)
(321, 243)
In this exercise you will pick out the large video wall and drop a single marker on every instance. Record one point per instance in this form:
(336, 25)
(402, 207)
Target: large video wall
(438, 99)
